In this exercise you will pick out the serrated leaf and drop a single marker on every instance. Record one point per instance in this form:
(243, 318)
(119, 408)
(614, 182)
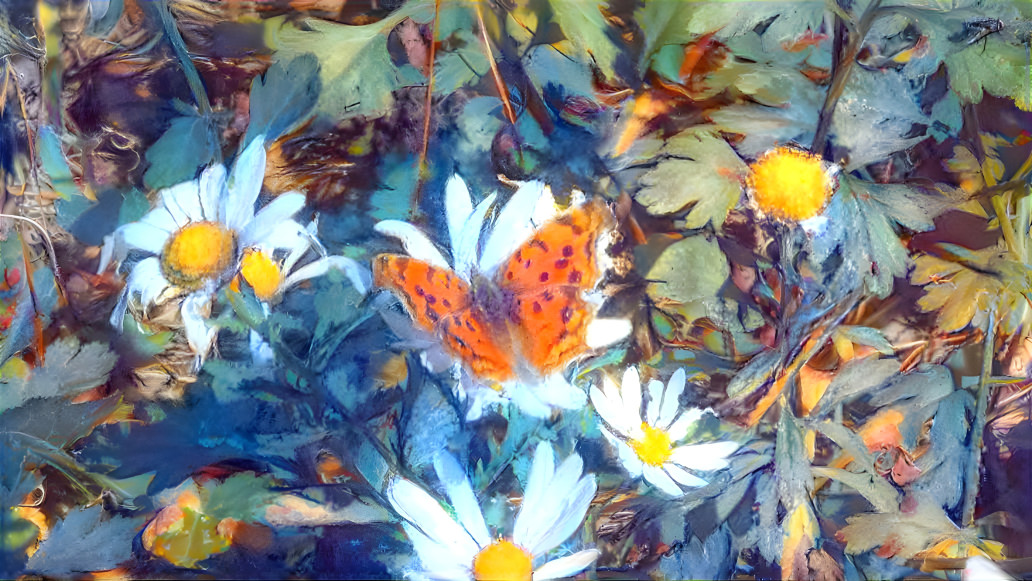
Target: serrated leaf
(70, 368)
(1001, 69)
(584, 26)
(693, 269)
(188, 144)
(86, 540)
(715, 185)
(283, 97)
(356, 70)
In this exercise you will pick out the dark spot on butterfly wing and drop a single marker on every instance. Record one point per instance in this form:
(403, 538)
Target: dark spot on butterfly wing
(561, 263)
(543, 277)
(567, 251)
(575, 276)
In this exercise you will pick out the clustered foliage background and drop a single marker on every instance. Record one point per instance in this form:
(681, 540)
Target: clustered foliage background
(874, 368)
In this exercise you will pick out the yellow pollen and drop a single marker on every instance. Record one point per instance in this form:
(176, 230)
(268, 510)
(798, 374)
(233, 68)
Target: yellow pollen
(654, 447)
(502, 561)
(197, 251)
(790, 184)
(262, 273)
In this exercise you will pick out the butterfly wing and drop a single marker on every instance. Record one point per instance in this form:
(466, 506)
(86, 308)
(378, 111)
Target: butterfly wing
(547, 276)
(439, 301)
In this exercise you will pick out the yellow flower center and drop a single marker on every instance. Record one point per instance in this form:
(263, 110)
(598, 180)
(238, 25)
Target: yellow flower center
(262, 273)
(196, 252)
(654, 447)
(790, 184)
(502, 561)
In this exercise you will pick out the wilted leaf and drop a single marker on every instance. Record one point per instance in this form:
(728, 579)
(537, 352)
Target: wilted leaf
(856, 377)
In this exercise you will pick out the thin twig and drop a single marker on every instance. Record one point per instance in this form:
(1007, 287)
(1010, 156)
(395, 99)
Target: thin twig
(503, 93)
(428, 107)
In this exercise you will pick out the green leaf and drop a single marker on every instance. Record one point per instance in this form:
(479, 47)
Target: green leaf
(460, 66)
(693, 269)
(1001, 69)
(714, 187)
(583, 24)
(283, 97)
(188, 144)
(356, 71)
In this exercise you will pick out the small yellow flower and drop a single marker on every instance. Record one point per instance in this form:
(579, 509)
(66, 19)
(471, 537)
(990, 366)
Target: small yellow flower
(790, 184)
(262, 273)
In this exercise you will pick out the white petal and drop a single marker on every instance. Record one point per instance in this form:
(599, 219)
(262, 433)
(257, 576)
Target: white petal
(557, 392)
(709, 456)
(464, 250)
(358, 274)
(631, 463)
(271, 217)
(199, 335)
(415, 242)
(262, 354)
(288, 235)
(457, 208)
(658, 478)
(460, 493)
(683, 476)
(560, 524)
(539, 477)
(612, 411)
(212, 185)
(527, 401)
(420, 509)
(543, 502)
(244, 185)
(655, 391)
(679, 429)
(604, 332)
(118, 315)
(437, 558)
(675, 387)
(143, 237)
(161, 219)
(107, 252)
(630, 391)
(979, 568)
(147, 280)
(513, 226)
(566, 566)
(182, 202)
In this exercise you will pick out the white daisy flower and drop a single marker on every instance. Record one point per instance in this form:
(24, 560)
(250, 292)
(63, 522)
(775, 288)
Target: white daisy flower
(529, 207)
(201, 234)
(647, 447)
(461, 547)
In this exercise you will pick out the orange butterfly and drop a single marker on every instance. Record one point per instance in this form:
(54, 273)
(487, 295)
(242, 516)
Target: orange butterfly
(513, 313)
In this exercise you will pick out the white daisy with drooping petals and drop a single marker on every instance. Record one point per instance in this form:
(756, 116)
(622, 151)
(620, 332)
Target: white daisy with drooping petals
(530, 206)
(204, 232)
(648, 447)
(554, 503)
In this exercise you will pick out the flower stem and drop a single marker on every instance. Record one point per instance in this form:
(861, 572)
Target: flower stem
(843, 66)
(978, 425)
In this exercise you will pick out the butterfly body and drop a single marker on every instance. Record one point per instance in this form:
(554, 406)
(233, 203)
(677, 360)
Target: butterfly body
(528, 316)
